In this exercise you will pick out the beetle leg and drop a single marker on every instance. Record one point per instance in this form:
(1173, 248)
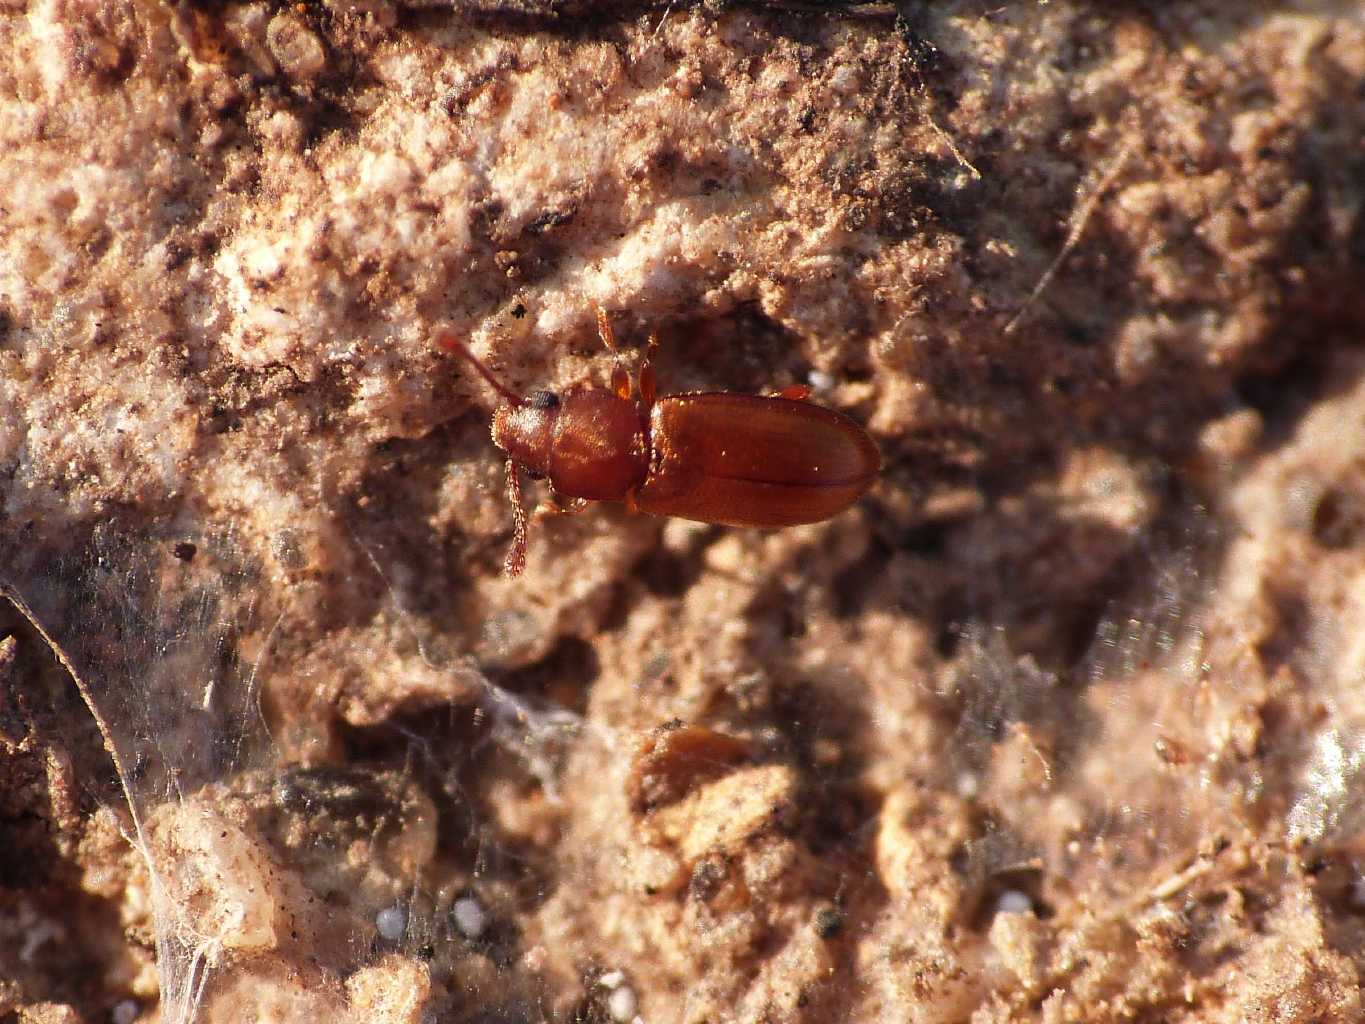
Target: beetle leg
(554, 506)
(794, 393)
(604, 330)
(515, 561)
(631, 508)
(620, 379)
(546, 509)
(649, 384)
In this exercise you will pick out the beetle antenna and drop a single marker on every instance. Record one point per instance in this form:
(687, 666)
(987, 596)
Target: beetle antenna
(515, 561)
(451, 343)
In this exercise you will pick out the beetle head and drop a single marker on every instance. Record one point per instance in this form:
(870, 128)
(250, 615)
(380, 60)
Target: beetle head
(526, 431)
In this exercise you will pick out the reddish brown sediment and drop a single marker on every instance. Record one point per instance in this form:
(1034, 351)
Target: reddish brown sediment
(1061, 721)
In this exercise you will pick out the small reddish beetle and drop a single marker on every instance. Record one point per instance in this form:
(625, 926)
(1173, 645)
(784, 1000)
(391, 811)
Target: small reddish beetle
(716, 457)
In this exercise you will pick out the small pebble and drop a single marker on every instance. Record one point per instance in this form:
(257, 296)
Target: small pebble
(819, 380)
(621, 1004)
(1357, 896)
(968, 785)
(296, 49)
(469, 917)
(392, 922)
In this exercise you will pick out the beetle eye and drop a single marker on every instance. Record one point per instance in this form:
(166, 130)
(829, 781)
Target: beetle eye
(543, 400)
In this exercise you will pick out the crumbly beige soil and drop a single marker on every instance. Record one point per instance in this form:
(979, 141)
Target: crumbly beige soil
(1065, 721)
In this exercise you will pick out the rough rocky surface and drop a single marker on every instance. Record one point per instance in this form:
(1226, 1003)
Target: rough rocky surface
(1063, 722)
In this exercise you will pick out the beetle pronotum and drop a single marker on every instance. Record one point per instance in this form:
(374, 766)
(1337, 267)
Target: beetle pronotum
(712, 456)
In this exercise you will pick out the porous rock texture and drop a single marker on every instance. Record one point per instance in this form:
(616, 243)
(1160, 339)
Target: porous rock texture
(1065, 721)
